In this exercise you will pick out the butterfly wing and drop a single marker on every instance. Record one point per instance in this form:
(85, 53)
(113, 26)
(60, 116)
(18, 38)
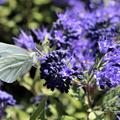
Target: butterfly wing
(7, 49)
(14, 62)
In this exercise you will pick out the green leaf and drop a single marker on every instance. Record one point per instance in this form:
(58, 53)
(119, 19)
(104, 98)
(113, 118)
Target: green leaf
(40, 110)
(110, 101)
(15, 113)
(92, 116)
(41, 2)
(66, 117)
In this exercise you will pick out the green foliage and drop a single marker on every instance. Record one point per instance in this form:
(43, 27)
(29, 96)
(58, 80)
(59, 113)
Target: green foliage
(111, 100)
(39, 112)
(29, 14)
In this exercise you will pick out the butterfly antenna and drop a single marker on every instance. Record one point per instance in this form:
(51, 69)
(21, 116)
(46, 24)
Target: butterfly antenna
(39, 52)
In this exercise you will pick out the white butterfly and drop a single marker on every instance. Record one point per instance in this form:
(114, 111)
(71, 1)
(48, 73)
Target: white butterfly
(14, 62)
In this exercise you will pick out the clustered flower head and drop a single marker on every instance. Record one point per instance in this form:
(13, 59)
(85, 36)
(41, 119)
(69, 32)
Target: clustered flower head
(5, 100)
(3, 2)
(55, 71)
(41, 34)
(25, 41)
(110, 73)
(85, 32)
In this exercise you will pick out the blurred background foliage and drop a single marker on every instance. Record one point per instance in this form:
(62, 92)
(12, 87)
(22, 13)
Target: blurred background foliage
(25, 14)
(31, 14)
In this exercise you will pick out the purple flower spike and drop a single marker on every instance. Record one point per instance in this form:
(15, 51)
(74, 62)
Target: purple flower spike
(41, 34)
(5, 99)
(110, 74)
(25, 41)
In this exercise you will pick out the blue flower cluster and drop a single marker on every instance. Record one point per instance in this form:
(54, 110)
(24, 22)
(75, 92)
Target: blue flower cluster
(110, 73)
(41, 34)
(25, 41)
(5, 100)
(85, 31)
(55, 71)
(3, 2)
